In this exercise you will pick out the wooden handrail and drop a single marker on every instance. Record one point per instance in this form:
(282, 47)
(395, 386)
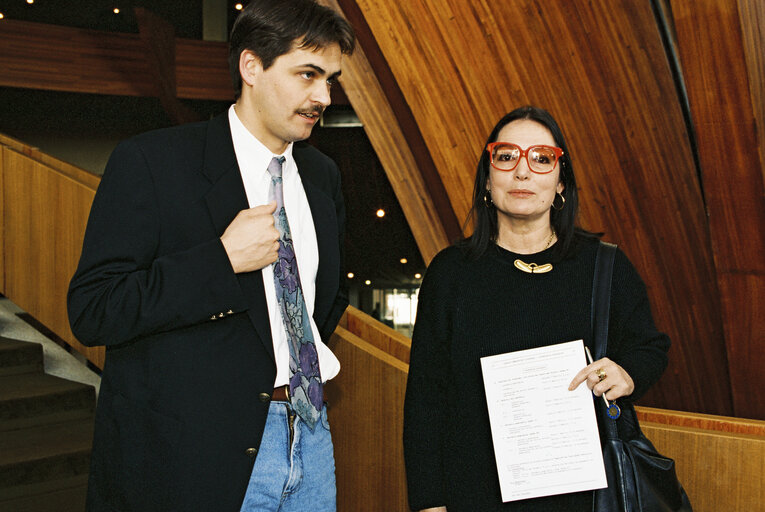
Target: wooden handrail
(720, 460)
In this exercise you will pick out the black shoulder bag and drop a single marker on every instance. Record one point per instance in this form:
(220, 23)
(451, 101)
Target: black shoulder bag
(639, 478)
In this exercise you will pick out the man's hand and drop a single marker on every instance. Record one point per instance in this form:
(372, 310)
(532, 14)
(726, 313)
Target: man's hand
(251, 240)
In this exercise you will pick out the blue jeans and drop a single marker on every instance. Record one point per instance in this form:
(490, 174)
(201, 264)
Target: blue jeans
(293, 471)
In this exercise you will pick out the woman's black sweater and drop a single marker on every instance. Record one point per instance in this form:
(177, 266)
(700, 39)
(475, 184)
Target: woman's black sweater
(471, 309)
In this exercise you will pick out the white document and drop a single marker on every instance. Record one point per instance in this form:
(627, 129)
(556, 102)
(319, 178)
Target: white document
(545, 437)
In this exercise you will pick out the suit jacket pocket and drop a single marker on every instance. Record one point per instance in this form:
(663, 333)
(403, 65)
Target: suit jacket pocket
(146, 455)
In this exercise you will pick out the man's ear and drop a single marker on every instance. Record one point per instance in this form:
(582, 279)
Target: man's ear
(249, 67)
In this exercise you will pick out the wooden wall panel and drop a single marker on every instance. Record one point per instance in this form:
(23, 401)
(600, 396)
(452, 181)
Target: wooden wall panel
(45, 213)
(600, 67)
(378, 334)
(201, 70)
(366, 418)
(719, 471)
(392, 147)
(752, 16)
(83, 61)
(717, 79)
(90, 61)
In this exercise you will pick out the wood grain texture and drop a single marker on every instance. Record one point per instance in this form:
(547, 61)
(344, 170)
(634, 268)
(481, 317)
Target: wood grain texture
(46, 207)
(201, 70)
(378, 334)
(702, 421)
(752, 16)
(719, 470)
(158, 38)
(381, 126)
(601, 69)
(715, 70)
(90, 61)
(366, 417)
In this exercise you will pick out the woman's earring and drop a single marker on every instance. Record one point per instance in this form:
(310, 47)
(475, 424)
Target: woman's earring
(562, 201)
(487, 199)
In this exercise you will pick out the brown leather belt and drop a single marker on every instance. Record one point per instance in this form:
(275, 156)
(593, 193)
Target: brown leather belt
(282, 394)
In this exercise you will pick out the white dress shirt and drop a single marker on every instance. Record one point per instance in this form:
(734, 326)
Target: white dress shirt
(253, 158)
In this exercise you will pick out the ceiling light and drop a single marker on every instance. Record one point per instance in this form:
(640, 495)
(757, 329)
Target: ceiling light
(381, 213)
(417, 275)
(238, 7)
(116, 10)
(30, 2)
(367, 282)
(2, 15)
(403, 261)
(350, 275)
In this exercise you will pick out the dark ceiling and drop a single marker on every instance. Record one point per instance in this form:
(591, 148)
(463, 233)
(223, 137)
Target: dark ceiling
(375, 245)
(184, 15)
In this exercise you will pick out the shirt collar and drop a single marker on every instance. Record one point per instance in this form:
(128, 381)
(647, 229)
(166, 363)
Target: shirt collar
(250, 152)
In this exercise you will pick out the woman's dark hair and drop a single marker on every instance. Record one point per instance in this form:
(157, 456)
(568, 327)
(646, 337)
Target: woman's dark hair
(485, 217)
(271, 28)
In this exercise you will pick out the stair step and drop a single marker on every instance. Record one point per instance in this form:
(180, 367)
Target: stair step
(44, 459)
(36, 398)
(17, 357)
(71, 499)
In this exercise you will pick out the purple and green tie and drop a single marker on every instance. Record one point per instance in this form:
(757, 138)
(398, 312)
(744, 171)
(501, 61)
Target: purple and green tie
(306, 393)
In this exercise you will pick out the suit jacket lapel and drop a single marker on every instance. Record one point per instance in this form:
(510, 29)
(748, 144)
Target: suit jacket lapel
(225, 199)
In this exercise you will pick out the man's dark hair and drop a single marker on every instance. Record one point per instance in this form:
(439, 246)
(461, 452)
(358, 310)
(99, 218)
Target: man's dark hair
(271, 28)
(485, 217)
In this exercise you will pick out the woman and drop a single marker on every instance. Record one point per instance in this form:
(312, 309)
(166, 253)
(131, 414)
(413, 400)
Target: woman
(522, 280)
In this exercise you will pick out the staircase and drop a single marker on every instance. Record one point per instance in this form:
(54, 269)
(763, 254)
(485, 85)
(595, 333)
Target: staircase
(46, 431)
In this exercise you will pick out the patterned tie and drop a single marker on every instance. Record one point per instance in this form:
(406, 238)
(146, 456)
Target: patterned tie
(307, 396)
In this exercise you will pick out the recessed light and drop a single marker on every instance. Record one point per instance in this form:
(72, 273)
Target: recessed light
(238, 7)
(350, 275)
(403, 261)
(2, 15)
(116, 10)
(30, 2)
(367, 282)
(381, 213)
(417, 275)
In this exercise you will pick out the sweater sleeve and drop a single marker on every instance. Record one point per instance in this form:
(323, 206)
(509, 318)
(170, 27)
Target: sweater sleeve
(634, 341)
(424, 406)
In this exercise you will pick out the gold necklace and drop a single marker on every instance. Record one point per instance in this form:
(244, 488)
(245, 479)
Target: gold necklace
(533, 268)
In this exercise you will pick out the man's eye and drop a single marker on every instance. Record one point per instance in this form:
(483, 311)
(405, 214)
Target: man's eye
(307, 75)
(331, 81)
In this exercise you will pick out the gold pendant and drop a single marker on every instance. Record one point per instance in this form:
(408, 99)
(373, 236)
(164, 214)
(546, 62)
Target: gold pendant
(532, 268)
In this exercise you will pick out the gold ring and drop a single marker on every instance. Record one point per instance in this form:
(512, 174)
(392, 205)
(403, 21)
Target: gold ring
(601, 373)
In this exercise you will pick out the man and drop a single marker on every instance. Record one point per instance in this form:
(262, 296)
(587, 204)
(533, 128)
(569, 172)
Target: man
(211, 396)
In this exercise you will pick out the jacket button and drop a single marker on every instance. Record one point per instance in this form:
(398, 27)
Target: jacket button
(251, 452)
(264, 397)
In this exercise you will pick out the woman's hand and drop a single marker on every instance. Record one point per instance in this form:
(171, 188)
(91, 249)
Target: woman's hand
(605, 376)
(434, 509)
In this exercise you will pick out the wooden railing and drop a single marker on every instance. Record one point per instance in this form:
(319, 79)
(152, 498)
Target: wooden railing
(43, 212)
(720, 460)
(45, 206)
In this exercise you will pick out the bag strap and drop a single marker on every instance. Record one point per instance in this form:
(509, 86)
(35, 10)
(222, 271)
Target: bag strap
(601, 305)
(601, 297)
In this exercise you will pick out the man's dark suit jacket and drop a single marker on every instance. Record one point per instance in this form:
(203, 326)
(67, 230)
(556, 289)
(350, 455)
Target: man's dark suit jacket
(189, 355)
